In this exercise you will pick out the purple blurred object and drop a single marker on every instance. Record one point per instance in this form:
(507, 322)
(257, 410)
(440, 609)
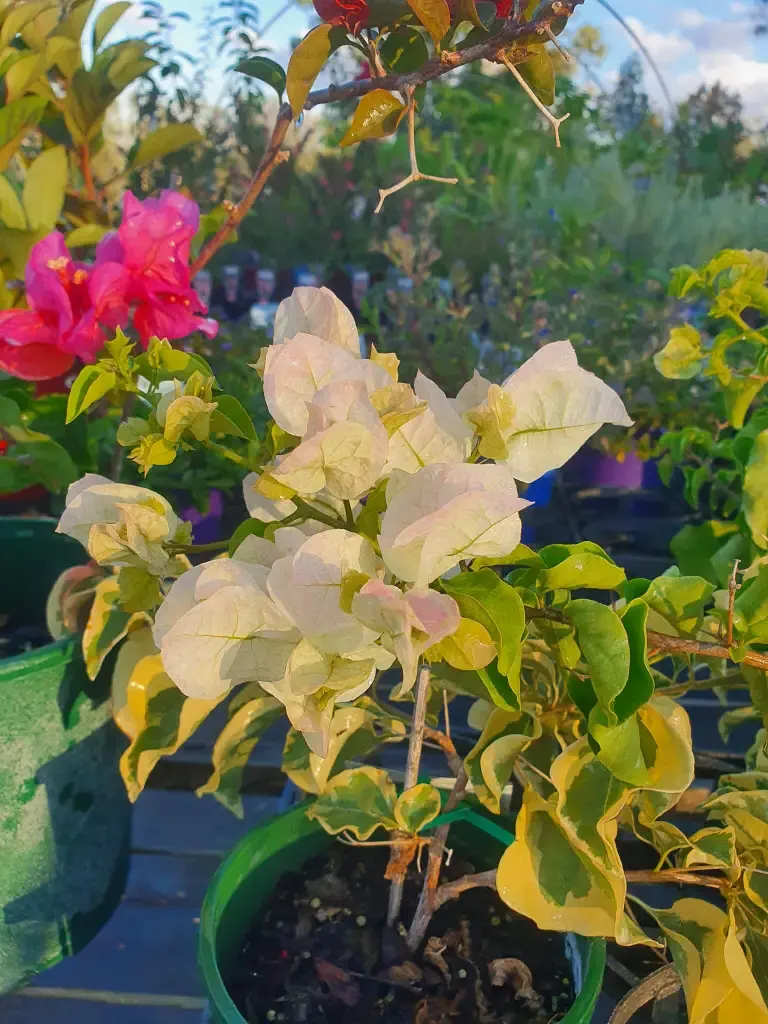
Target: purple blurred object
(606, 471)
(206, 526)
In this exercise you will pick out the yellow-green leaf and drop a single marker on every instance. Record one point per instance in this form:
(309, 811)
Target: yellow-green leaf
(469, 648)
(44, 187)
(150, 709)
(91, 384)
(378, 114)
(107, 20)
(756, 491)
(11, 211)
(434, 15)
(17, 17)
(490, 762)
(139, 589)
(306, 63)
(539, 72)
(164, 140)
(417, 807)
(233, 747)
(107, 625)
(682, 356)
(358, 800)
(86, 234)
(15, 119)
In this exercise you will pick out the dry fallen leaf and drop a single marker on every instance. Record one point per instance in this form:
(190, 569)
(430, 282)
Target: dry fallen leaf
(433, 954)
(407, 974)
(341, 984)
(511, 971)
(400, 858)
(437, 1010)
(692, 798)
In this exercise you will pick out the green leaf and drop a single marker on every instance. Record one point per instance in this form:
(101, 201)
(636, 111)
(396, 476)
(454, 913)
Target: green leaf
(680, 600)
(378, 114)
(640, 686)
(683, 279)
(358, 800)
(467, 11)
(404, 50)
(490, 762)
(504, 690)
(264, 70)
(234, 746)
(434, 15)
(169, 138)
(694, 546)
(739, 396)
(91, 384)
(306, 63)
(139, 589)
(539, 72)
(11, 211)
(682, 357)
(605, 647)
(417, 807)
(368, 519)
(250, 528)
(15, 119)
(106, 21)
(10, 413)
(86, 235)
(522, 555)
(163, 362)
(583, 565)
(482, 596)
(755, 500)
(230, 417)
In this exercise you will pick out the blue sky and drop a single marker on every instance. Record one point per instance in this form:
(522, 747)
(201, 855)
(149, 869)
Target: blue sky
(694, 42)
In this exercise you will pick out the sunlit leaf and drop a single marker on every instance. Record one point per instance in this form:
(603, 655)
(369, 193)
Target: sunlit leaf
(378, 114)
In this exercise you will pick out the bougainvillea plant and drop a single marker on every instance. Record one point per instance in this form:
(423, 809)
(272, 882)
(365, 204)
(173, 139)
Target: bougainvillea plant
(384, 534)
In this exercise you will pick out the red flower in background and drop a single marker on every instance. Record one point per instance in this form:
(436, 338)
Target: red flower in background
(67, 316)
(352, 14)
(148, 259)
(141, 273)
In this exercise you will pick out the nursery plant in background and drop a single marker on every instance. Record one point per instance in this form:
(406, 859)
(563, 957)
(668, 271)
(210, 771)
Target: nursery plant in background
(724, 467)
(378, 513)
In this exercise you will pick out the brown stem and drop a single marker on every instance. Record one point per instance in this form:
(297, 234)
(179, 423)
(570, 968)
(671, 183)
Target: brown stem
(672, 875)
(733, 586)
(668, 644)
(415, 743)
(446, 61)
(447, 746)
(85, 164)
(426, 907)
(274, 155)
(450, 890)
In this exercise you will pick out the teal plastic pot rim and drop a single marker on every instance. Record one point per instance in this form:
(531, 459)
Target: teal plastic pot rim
(36, 659)
(263, 842)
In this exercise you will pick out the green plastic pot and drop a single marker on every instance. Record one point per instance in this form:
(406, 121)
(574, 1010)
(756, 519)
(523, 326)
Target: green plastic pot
(245, 880)
(64, 815)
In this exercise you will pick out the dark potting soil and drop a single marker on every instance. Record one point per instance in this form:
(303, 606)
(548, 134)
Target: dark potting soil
(21, 639)
(320, 954)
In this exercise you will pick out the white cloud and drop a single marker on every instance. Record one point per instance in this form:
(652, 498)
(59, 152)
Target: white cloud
(689, 17)
(665, 47)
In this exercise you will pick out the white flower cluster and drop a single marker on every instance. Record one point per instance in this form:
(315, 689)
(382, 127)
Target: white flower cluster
(314, 612)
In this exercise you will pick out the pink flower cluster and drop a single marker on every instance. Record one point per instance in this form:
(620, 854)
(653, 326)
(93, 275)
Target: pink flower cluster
(140, 275)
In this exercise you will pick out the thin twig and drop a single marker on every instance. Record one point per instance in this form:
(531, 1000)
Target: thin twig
(444, 741)
(85, 164)
(274, 155)
(425, 909)
(450, 890)
(667, 644)
(672, 875)
(415, 174)
(733, 586)
(415, 743)
(554, 121)
(560, 49)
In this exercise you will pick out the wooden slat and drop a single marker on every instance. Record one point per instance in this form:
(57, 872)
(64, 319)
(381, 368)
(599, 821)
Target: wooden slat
(22, 1010)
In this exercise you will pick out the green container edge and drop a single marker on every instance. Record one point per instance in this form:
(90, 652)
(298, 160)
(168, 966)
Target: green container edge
(269, 840)
(54, 655)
